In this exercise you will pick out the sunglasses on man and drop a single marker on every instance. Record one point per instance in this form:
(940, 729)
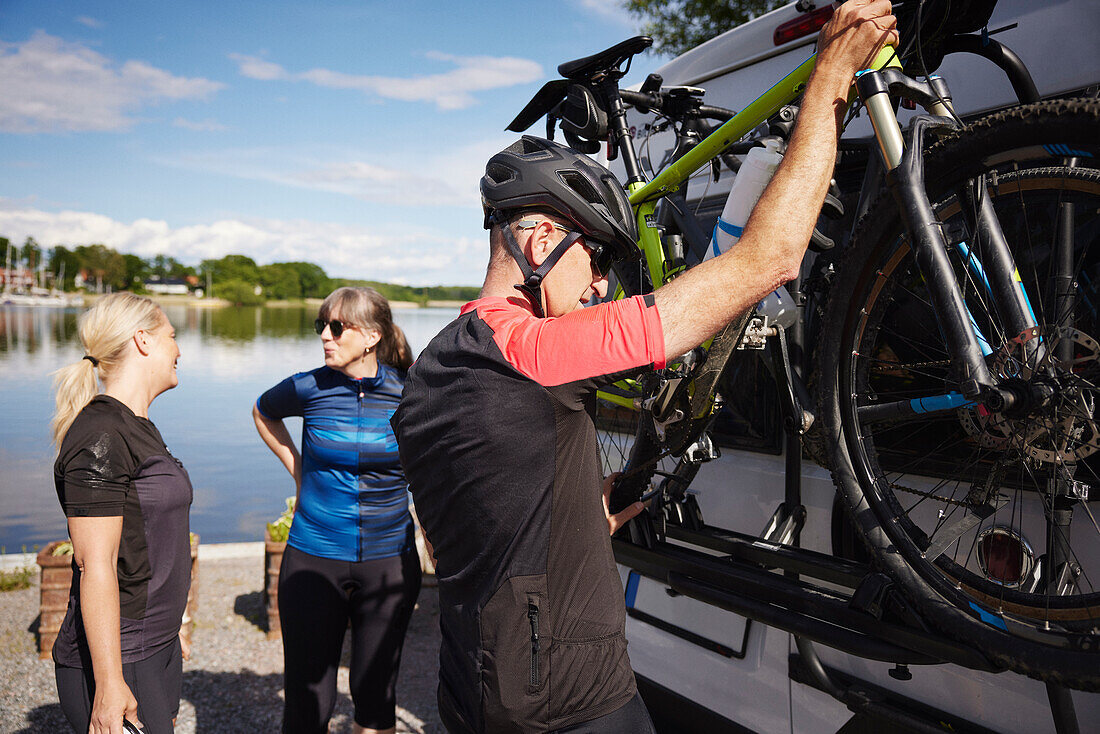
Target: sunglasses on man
(335, 326)
(600, 255)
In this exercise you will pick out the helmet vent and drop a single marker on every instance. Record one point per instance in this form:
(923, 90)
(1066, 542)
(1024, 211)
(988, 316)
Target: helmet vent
(616, 201)
(499, 174)
(579, 183)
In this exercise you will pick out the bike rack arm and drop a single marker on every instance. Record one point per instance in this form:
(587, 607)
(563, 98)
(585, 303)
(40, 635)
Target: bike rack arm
(795, 606)
(845, 640)
(751, 549)
(1004, 57)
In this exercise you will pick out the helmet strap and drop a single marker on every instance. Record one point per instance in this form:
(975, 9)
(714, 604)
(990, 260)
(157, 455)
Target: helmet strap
(532, 277)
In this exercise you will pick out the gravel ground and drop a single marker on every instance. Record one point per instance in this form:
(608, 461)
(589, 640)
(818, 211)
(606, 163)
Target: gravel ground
(233, 682)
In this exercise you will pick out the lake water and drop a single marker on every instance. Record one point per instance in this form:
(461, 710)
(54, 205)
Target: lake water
(229, 356)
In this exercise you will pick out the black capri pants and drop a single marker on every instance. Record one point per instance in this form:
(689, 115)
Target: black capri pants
(155, 682)
(317, 599)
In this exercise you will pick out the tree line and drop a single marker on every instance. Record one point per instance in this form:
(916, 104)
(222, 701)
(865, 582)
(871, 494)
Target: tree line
(678, 26)
(235, 278)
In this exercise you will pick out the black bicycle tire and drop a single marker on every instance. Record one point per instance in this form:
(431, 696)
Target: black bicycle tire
(1018, 133)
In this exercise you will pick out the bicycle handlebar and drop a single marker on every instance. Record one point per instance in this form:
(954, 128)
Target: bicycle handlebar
(641, 101)
(662, 101)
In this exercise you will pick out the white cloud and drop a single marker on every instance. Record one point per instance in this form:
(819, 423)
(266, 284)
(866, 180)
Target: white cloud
(198, 125)
(445, 176)
(89, 21)
(255, 68)
(51, 85)
(613, 10)
(410, 254)
(449, 90)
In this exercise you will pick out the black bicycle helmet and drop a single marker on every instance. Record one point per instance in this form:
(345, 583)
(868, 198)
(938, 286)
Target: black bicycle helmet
(535, 173)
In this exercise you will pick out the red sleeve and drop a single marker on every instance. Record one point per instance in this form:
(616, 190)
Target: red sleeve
(590, 342)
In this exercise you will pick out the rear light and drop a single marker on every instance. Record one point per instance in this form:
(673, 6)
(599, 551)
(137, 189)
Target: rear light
(802, 26)
(1004, 556)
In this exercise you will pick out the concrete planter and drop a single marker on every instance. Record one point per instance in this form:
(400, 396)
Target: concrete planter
(56, 578)
(273, 560)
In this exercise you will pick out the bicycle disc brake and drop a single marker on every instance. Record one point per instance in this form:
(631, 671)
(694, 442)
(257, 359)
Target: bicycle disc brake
(1061, 428)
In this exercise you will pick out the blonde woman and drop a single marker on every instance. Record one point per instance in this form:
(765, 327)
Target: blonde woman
(350, 554)
(118, 654)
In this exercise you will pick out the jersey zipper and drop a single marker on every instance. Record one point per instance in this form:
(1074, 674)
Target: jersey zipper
(533, 616)
(359, 468)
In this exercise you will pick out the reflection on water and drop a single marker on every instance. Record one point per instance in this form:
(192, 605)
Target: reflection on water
(229, 356)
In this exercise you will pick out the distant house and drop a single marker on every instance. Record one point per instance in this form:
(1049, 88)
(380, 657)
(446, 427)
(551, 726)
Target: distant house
(167, 286)
(18, 279)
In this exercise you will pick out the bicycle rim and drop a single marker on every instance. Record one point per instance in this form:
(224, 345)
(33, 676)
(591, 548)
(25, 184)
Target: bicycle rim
(996, 514)
(899, 355)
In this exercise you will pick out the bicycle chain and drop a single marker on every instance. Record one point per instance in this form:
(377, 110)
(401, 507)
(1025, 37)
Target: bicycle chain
(913, 365)
(930, 495)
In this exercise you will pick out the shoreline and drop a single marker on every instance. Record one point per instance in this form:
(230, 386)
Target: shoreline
(207, 551)
(174, 300)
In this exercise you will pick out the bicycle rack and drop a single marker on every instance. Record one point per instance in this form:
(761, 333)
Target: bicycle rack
(885, 629)
(860, 613)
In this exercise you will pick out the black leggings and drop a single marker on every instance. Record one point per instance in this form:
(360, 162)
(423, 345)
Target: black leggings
(317, 598)
(155, 682)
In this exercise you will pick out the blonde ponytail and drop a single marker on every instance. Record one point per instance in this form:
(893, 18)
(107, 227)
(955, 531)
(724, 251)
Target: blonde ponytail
(105, 329)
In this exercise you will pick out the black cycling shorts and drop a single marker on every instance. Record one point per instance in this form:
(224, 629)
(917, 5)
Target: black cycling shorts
(155, 682)
(317, 598)
(632, 718)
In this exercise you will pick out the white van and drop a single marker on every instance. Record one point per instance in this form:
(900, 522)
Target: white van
(704, 669)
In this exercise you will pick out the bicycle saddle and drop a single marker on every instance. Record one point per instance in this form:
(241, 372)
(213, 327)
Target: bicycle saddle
(588, 67)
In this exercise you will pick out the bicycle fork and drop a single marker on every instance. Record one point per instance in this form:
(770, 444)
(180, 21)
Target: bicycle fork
(997, 270)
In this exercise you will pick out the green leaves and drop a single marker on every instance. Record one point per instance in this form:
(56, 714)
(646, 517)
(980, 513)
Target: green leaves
(279, 530)
(681, 25)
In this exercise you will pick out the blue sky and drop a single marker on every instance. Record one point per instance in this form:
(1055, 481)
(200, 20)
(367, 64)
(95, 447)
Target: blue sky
(350, 134)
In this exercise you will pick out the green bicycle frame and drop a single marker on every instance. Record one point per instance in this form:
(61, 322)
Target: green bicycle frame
(644, 196)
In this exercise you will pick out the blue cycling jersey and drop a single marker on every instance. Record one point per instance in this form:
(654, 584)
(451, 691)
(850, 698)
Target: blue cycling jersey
(354, 501)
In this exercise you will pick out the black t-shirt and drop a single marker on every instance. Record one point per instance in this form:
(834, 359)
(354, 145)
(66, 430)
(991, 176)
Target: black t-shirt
(113, 463)
(496, 436)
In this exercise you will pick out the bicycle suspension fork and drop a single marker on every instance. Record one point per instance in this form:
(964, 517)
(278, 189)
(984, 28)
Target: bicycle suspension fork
(905, 177)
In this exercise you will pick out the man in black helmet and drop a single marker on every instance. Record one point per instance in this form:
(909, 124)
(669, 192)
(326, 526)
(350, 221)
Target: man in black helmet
(495, 429)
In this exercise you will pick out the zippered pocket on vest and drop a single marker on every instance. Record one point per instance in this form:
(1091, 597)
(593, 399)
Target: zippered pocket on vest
(533, 617)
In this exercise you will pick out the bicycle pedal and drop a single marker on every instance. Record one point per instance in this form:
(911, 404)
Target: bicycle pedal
(756, 335)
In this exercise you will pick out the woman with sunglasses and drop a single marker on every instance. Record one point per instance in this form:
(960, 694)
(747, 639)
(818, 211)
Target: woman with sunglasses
(350, 554)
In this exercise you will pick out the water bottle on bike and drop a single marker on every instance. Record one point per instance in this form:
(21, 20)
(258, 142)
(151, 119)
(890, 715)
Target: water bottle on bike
(752, 178)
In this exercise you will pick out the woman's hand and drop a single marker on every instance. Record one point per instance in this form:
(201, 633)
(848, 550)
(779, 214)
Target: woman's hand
(616, 521)
(185, 647)
(113, 702)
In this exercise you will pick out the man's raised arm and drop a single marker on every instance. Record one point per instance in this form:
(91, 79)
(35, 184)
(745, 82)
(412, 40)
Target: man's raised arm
(704, 299)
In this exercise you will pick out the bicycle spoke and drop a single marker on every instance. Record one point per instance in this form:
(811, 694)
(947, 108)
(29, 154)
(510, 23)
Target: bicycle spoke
(951, 472)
